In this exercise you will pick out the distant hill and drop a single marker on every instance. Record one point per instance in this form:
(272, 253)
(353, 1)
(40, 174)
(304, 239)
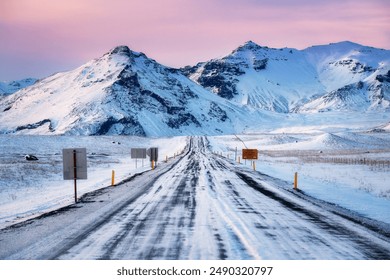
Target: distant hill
(7, 88)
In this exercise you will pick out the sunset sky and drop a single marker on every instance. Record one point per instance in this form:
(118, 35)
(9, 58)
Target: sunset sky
(40, 37)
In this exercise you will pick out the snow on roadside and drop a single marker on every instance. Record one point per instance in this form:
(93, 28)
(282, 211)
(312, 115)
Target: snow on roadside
(360, 188)
(28, 189)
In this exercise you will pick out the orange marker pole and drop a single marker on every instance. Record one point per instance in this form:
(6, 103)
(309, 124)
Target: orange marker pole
(296, 181)
(113, 178)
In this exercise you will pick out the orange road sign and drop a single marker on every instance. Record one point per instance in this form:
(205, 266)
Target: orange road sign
(250, 154)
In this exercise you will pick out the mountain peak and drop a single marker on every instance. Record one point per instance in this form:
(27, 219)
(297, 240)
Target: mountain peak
(124, 50)
(343, 46)
(346, 43)
(249, 45)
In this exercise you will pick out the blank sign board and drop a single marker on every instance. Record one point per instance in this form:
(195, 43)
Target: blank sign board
(138, 153)
(71, 157)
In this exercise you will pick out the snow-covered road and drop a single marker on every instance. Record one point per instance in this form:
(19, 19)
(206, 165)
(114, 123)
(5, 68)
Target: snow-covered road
(199, 206)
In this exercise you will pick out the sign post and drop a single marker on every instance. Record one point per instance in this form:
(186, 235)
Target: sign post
(75, 174)
(74, 166)
(153, 155)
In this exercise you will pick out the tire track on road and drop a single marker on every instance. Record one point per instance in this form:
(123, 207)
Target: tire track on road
(370, 249)
(132, 224)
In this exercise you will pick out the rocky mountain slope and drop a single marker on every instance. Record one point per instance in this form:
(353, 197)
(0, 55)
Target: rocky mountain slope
(123, 92)
(341, 76)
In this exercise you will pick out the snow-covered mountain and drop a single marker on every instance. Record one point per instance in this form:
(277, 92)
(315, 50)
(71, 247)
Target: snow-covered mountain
(122, 92)
(340, 76)
(7, 88)
(125, 92)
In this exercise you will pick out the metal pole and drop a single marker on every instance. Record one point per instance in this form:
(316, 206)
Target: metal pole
(241, 141)
(75, 175)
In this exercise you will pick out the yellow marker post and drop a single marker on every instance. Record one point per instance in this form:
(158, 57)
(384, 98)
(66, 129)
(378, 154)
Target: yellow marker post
(296, 181)
(113, 178)
(152, 164)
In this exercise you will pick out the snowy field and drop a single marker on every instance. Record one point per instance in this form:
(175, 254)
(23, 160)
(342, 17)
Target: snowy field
(329, 165)
(31, 188)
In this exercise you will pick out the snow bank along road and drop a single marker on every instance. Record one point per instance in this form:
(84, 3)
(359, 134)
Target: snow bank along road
(199, 206)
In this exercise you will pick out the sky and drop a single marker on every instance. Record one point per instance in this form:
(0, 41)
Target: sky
(41, 37)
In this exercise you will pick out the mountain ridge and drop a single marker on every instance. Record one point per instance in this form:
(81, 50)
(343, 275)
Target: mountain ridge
(283, 80)
(126, 92)
(122, 92)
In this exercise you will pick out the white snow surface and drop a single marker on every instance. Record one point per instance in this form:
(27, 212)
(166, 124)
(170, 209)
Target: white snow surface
(354, 186)
(197, 206)
(29, 189)
(32, 188)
